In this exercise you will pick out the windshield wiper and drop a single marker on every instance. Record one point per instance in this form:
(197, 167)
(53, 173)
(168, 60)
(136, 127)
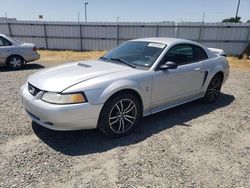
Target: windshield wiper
(122, 61)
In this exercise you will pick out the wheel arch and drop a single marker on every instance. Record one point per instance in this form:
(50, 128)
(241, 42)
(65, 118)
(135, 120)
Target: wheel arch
(216, 70)
(219, 73)
(13, 55)
(99, 93)
(119, 86)
(130, 91)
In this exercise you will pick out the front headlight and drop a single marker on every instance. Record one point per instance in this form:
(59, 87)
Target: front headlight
(61, 98)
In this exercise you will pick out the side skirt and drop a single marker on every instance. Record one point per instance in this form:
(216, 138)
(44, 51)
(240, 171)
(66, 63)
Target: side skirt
(174, 104)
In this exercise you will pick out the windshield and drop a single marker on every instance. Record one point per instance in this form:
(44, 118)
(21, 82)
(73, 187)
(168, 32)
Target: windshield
(136, 53)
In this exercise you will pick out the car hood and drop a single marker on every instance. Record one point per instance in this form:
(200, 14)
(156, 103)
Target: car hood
(59, 78)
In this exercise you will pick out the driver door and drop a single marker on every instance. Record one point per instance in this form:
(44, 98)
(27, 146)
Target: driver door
(173, 85)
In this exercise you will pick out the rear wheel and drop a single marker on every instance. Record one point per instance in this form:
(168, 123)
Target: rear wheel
(15, 62)
(213, 90)
(120, 115)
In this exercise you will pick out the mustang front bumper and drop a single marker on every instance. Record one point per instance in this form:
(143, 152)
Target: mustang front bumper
(60, 117)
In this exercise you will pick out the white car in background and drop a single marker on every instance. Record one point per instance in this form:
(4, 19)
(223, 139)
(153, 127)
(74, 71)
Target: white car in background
(138, 78)
(14, 54)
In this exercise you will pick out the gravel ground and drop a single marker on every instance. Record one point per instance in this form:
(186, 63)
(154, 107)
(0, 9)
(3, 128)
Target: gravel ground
(194, 145)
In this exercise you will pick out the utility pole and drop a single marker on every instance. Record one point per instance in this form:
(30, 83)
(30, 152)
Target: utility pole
(78, 16)
(117, 19)
(238, 6)
(203, 17)
(85, 4)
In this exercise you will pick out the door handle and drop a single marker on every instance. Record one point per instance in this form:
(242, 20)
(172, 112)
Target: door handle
(197, 69)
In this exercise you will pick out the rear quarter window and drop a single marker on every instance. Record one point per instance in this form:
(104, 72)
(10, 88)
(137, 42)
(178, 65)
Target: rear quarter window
(199, 53)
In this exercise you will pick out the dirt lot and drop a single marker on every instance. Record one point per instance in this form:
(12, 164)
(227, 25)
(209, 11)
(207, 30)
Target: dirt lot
(194, 145)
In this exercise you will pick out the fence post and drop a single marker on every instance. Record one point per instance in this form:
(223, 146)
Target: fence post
(45, 35)
(9, 29)
(176, 30)
(246, 48)
(200, 32)
(157, 31)
(247, 40)
(118, 34)
(248, 35)
(81, 37)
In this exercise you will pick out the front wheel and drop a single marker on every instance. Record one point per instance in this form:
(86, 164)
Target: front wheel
(213, 90)
(119, 115)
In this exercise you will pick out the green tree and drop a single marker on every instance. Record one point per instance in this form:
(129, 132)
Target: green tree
(232, 19)
(248, 21)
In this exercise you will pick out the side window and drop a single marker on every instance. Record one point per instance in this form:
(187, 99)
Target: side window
(4, 42)
(199, 53)
(180, 54)
(185, 53)
(1, 42)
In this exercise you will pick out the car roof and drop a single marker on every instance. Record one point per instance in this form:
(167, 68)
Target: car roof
(2, 35)
(165, 40)
(173, 41)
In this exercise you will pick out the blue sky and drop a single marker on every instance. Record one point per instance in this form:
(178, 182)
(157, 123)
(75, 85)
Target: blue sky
(127, 10)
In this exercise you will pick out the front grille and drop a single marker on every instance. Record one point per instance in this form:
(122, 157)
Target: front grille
(33, 90)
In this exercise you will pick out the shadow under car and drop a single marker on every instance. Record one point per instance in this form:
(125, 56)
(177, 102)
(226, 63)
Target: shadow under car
(30, 66)
(75, 143)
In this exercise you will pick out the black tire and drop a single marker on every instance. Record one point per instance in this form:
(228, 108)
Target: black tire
(120, 115)
(15, 62)
(213, 90)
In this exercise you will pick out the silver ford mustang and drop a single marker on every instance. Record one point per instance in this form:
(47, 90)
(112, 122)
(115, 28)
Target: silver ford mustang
(138, 78)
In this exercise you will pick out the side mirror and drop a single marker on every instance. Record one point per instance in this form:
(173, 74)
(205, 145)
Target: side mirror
(168, 65)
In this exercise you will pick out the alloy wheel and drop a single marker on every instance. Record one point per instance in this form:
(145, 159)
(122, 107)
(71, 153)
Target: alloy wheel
(214, 89)
(122, 116)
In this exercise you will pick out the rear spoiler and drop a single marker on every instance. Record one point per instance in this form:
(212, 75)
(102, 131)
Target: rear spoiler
(218, 52)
